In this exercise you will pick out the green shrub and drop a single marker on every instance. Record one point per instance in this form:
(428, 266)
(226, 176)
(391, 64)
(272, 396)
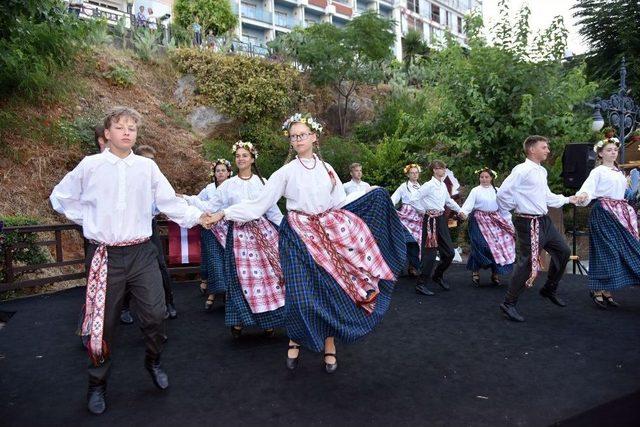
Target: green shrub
(246, 88)
(120, 75)
(176, 116)
(145, 44)
(340, 153)
(30, 253)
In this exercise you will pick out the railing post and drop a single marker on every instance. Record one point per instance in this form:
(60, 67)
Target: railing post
(8, 264)
(59, 256)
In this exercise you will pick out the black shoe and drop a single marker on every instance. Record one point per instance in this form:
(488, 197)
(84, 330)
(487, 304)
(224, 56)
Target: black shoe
(236, 332)
(203, 288)
(208, 304)
(475, 278)
(598, 300)
(422, 289)
(171, 311)
(330, 368)
(440, 281)
(125, 317)
(510, 312)
(270, 333)
(95, 398)
(610, 301)
(292, 362)
(551, 295)
(495, 280)
(159, 377)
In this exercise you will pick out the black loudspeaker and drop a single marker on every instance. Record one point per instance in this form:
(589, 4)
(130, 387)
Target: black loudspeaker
(577, 161)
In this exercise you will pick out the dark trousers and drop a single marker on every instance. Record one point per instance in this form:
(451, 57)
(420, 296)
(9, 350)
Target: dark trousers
(133, 269)
(551, 241)
(162, 263)
(445, 248)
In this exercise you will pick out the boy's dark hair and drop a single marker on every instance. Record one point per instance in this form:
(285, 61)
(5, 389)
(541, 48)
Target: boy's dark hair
(437, 164)
(141, 150)
(531, 141)
(98, 132)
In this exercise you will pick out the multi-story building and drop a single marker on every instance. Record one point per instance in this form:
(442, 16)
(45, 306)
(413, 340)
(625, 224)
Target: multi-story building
(261, 21)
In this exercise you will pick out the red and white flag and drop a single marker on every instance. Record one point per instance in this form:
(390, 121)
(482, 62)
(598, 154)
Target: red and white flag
(184, 244)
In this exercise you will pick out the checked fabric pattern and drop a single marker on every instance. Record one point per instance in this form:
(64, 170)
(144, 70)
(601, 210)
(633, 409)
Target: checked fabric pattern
(96, 298)
(255, 248)
(499, 234)
(412, 220)
(623, 213)
(220, 231)
(341, 243)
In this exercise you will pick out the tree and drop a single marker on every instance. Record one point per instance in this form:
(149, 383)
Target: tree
(412, 46)
(216, 16)
(611, 28)
(342, 58)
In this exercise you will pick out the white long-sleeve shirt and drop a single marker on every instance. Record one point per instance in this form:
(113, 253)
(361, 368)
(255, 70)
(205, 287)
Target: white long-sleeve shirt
(404, 192)
(237, 190)
(483, 199)
(114, 199)
(306, 190)
(352, 187)
(604, 182)
(433, 196)
(526, 191)
(206, 194)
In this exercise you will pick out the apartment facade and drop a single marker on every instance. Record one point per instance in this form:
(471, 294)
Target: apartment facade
(260, 21)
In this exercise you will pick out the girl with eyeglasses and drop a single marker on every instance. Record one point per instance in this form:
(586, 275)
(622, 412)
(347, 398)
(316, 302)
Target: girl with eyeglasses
(410, 217)
(340, 258)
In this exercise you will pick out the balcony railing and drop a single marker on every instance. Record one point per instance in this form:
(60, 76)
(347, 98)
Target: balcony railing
(257, 14)
(251, 49)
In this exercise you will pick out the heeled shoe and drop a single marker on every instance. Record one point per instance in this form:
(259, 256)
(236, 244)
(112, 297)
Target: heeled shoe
(270, 333)
(610, 301)
(208, 304)
(495, 280)
(475, 278)
(330, 368)
(236, 332)
(598, 299)
(203, 288)
(292, 362)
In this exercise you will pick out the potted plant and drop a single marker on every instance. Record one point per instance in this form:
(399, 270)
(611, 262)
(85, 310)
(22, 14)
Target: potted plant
(635, 136)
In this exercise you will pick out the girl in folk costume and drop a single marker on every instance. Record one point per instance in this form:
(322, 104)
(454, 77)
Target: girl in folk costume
(255, 284)
(491, 232)
(614, 249)
(339, 260)
(410, 217)
(213, 241)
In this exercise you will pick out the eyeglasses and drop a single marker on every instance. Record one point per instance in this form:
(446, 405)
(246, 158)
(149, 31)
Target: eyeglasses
(299, 137)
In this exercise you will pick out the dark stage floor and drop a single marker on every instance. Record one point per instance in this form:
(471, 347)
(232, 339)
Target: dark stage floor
(445, 360)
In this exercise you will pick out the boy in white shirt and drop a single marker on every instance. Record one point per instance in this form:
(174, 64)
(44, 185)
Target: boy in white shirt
(526, 192)
(111, 195)
(356, 183)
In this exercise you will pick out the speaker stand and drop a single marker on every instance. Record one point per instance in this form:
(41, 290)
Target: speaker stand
(574, 257)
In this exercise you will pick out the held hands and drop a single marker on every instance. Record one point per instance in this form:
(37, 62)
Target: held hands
(581, 198)
(462, 215)
(208, 219)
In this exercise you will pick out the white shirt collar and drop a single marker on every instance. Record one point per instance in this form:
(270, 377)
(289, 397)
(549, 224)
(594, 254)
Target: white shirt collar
(113, 159)
(532, 163)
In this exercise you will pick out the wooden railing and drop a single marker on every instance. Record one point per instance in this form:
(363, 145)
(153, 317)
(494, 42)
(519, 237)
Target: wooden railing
(13, 272)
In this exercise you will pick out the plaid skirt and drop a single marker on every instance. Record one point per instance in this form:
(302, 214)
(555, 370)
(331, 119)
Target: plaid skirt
(204, 274)
(316, 306)
(213, 262)
(237, 311)
(480, 256)
(614, 254)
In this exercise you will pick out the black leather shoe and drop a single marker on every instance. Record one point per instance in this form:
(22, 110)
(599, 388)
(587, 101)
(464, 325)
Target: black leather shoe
(125, 317)
(159, 377)
(422, 289)
(236, 332)
(510, 312)
(292, 362)
(440, 281)
(551, 295)
(95, 398)
(611, 302)
(330, 368)
(171, 311)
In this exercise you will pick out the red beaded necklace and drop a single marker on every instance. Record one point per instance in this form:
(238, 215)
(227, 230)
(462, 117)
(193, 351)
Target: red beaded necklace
(315, 161)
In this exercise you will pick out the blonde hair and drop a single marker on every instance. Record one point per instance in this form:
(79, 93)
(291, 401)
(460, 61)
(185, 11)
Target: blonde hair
(116, 113)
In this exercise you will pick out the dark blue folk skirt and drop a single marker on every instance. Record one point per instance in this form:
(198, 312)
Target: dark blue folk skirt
(316, 306)
(213, 262)
(237, 311)
(614, 254)
(481, 256)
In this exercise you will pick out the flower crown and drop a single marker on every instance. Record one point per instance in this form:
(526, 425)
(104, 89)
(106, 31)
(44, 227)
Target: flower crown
(600, 144)
(411, 166)
(247, 146)
(305, 118)
(486, 169)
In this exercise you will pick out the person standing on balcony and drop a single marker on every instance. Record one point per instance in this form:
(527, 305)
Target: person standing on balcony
(151, 20)
(141, 18)
(197, 32)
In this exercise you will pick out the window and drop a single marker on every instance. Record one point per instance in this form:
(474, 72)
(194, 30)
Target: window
(447, 18)
(459, 25)
(249, 9)
(282, 18)
(413, 5)
(435, 13)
